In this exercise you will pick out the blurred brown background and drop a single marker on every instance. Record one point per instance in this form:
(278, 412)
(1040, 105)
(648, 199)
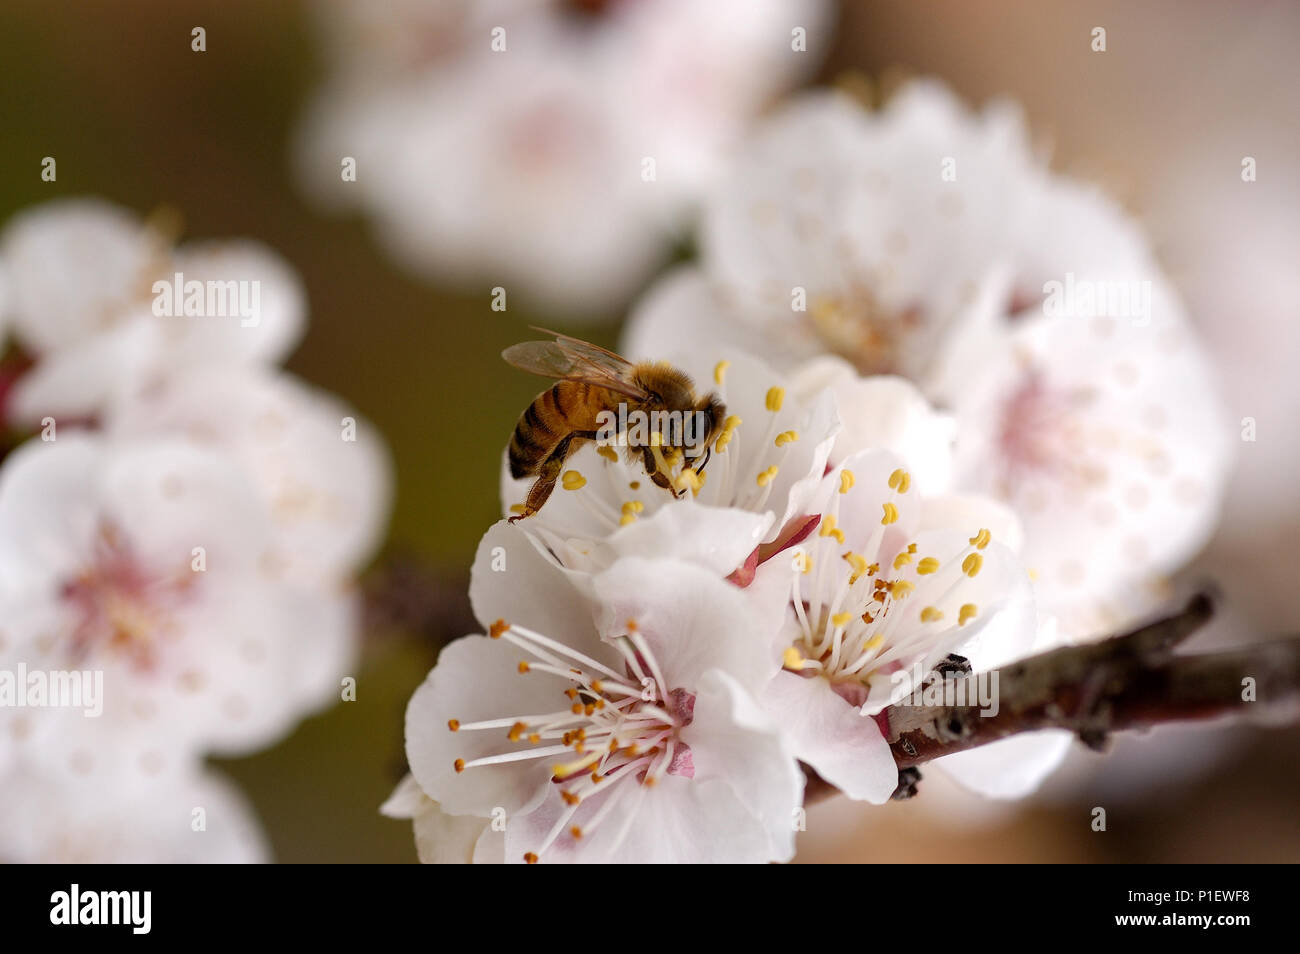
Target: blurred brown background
(1162, 118)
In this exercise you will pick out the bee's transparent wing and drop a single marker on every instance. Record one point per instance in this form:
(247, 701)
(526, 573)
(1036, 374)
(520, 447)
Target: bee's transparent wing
(561, 359)
(602, 357)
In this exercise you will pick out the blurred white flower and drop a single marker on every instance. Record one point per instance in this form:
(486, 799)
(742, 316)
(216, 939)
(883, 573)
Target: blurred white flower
(145, 563)
(191, 817)
(592, 727)
(321, 471)
(878, 596)
(768, 460)
(858, 233)
(927, 240)
(93, 300)
(556, 146)
(1109, 439)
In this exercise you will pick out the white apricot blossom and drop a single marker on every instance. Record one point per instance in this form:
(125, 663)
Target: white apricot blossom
(619, 726)
(877, 597)
(103, 303)
(857, 233)
(141, 567)
(321, 470)
(552, 146)
(191, 817)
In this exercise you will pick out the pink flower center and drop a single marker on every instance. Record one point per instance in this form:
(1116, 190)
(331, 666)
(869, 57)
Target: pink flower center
(119, 605)
(618, 733)
(1041, 434)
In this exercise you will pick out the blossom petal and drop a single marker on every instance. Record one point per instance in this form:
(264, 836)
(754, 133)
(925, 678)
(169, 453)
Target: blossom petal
(1009, 768)
(883, 411)
(477, 679)
(834, 737)
(692, 622)
(733, 739)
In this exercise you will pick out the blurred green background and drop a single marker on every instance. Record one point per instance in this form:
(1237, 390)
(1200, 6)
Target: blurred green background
(115, 94)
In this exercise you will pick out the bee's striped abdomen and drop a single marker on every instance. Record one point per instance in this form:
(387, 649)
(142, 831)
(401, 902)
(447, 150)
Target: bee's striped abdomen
(543, 425)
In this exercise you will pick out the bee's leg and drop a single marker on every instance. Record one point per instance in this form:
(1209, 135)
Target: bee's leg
(550, 472)
(652, 469)
(547, 475)
(537, 494)
(708, 453)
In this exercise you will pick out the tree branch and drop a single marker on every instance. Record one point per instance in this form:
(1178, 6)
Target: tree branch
(1131, 681)
(402, 594)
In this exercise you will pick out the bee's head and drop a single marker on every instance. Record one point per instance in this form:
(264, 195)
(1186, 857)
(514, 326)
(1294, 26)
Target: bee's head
(669, 389)
(715, 413)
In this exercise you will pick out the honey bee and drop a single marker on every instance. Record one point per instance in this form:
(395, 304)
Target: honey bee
(593, 384)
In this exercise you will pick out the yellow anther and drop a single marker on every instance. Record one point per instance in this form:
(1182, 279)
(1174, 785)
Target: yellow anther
(841, 619)
(966, 613)
(846, 481)
(523, 665)
(807, 563)
(786, 437)
(516, 732)
(981, 539)
(775, 398)
(927, 565)
(728, 429)
(564, 769)
(971, 565)
(608, 453)
(931, 614)
(572, 480)
(902, 560)
(874, 642)
(900, 480)
(891, 514)
(793, 659)
(720, 372)
(688, 480)
(900, 588)
(911, 548)
(627, 518)
(517, 508)
(633, 506)
(767, 476)
(859, 564)
(453, 724)
(828, 529)
(497, 628)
